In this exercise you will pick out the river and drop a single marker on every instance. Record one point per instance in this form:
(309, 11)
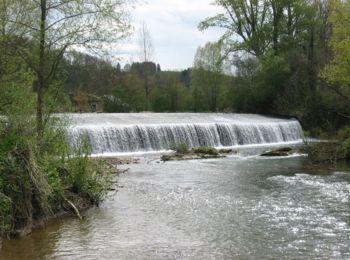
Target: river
(240, 207)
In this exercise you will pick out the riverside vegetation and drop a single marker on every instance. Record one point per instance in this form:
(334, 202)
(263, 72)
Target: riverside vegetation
(39, 181)
(41, 175)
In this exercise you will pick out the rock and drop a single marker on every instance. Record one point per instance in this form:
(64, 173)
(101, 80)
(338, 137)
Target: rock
(284, 151)
(205, 150)
(192, 156)
(121, 160)
(227, 151)
(166, 158)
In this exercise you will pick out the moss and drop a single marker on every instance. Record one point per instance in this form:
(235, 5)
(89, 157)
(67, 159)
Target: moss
(206, 150)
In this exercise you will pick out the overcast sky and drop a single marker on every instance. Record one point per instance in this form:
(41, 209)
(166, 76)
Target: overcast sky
(173, 28)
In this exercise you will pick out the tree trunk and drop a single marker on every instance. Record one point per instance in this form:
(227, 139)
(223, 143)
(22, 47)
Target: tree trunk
(41, 72)
(311, 62)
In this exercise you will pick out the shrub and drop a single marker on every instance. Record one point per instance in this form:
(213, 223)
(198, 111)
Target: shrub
(344, 149)
(180, 148)
(88, 178)
(343, 134)
(5, 214)
(37, 181)
(344, 139)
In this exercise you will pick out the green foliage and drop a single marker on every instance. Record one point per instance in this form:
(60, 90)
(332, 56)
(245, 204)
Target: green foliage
(114, 104)
(279, 49)
(344, 149)
(207, 77)
(5, 213)
(85, 176)
(344, 139)
(7, 143)
(322, 152)
(37, 180)
(272, 74)
(180, 148)
(170, 94)
(206, 150)
(338, 71)
(89, 178)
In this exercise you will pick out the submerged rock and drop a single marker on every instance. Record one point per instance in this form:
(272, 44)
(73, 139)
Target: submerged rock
(177, 157)
(284, 151)
(203, 152)
(227, 151)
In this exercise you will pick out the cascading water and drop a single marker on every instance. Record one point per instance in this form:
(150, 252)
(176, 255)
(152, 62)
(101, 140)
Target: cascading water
(118, 133)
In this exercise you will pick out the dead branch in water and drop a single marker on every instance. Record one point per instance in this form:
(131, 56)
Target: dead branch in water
(74, 207)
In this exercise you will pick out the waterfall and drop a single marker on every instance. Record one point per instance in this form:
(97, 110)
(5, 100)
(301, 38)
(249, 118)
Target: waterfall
(118, 133)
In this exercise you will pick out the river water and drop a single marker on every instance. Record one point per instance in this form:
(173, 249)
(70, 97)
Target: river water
(240, 207)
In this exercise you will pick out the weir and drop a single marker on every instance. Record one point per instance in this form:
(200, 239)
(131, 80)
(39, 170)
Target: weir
(144, 132)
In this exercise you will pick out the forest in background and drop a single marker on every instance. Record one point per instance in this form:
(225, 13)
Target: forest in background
(284, 58)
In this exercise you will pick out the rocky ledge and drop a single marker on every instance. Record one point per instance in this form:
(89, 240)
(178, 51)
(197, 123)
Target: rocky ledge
(198, 153)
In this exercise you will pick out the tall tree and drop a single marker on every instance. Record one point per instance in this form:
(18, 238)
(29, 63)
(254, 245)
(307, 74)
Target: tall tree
(146, 50)
(145, 42)
(245, 24)
(207, 74)
(337, 73)
(53, 27)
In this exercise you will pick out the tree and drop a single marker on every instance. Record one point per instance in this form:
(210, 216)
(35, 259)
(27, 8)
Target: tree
(146, 55)
(55, 26)
(256, 26)
(245, 22)
(170, 94)
(207, 74)
(145, 44)
(337, 73)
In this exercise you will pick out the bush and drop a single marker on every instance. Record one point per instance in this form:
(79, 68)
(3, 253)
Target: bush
(180, 148)
(88, 178)
(5, 214)
(344, 139)
(343, 134)
(344, 149)
(37, 181)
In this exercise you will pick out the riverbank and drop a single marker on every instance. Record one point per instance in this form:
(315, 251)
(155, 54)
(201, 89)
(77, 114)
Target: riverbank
(34, 189)
(74, 202)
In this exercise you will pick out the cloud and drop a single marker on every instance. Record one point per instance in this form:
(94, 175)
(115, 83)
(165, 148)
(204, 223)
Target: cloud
(173, 28)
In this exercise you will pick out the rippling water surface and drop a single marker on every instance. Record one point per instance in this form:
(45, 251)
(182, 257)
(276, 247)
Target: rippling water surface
(231, 208)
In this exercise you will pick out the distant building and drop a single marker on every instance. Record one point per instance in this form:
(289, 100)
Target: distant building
(87, 103)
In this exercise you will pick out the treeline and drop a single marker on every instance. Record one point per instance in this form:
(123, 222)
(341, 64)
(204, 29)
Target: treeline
(287, 58)
(135, 87)
(143, 86)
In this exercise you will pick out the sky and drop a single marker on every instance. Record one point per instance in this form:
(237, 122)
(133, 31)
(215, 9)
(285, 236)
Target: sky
(173, 26)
